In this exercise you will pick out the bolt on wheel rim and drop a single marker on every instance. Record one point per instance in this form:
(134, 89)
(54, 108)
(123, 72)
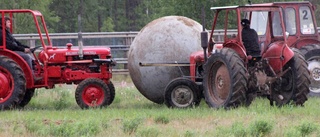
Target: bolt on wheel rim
(182, 96)
(314, 68)
(219, 88)
(93, 95)
(7, 84)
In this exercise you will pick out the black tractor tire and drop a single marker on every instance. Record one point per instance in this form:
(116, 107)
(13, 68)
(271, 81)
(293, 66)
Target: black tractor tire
(297, 51)
(293, 87)
(225, 80)
(112, 92)
(182, 93)
(13, 83)
(92, 93)
(27, 98)
(311, 53)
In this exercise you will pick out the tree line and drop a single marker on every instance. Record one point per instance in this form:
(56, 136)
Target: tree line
(119, 15)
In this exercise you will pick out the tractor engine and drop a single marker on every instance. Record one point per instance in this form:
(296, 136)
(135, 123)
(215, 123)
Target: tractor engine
(65, 66)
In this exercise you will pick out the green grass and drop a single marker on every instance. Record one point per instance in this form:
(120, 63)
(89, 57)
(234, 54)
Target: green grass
(54, 112)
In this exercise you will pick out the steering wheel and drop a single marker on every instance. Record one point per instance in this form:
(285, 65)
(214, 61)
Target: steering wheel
(34, 49)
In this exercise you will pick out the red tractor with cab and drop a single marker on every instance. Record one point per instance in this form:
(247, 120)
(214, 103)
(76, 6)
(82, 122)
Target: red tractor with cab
(300, 23)
(89, 68)
(231, 77)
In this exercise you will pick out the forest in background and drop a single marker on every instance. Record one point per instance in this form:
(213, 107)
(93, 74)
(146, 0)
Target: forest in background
(120, 15)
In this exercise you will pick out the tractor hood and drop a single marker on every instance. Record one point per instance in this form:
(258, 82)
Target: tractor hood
(60, 55)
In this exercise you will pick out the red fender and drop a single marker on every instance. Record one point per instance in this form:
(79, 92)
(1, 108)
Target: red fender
(300, 43)
(235, 45)
(22, 63)
(278, 54)
(195, 57)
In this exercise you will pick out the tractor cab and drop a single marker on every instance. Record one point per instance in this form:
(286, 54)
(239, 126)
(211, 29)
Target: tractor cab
(261, 20)
(233, 76)
(301, 27)
(299, 20)
(37, 26)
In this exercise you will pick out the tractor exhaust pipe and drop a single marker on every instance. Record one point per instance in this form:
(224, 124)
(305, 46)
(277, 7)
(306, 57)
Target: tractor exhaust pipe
(204, 36)
(80, 43)
(204, 43)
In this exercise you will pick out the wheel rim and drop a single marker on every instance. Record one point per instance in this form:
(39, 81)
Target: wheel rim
(93, 95)
(7, 84)
(220, 86)
(182, 96)
(314, 68)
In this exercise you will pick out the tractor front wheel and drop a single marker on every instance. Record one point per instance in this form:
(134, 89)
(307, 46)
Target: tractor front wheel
(12, 82)
(92, 92)
(225, 80)
(182, 93)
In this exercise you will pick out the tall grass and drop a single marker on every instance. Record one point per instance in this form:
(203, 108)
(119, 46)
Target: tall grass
(54, 112)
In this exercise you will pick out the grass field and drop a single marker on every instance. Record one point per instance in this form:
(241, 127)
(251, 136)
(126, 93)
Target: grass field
(54, 112)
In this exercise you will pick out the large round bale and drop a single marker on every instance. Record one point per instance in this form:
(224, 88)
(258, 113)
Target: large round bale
(165, 40)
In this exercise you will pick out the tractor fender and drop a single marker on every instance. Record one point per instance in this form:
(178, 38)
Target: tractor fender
(22, 63)
(303, 42)
(278, 54)
(237, 47)
(195, 57)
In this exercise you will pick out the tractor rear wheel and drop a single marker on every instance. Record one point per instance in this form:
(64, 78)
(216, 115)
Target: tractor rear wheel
(293, 87)
(311, 53)
(13, 83)
(182, 93)
(92, 92)
(225, 80)
(27, 98)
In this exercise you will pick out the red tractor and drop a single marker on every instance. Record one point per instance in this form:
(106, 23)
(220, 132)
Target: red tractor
(230, 77)
(300, 23)
(90, 68)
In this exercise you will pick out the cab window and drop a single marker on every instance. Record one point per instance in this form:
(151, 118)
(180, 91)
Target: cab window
(306, 21)
(259, 22)
(276, 24)
(290, 21)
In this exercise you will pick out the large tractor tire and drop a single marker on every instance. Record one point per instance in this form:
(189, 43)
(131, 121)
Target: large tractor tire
(312, 55)
(12, 83)
(182, 93)
(112, 92)
(27, 98)
(225, 80)
(293, 87)
(92, 92)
